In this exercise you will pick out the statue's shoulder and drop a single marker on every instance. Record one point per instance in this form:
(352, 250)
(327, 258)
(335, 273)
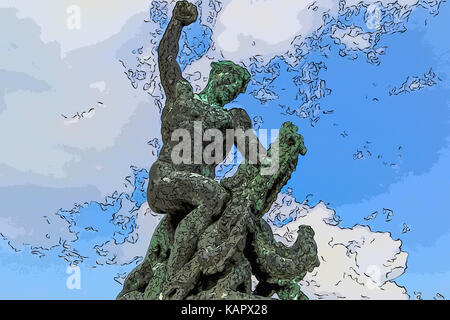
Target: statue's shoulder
(184, 89)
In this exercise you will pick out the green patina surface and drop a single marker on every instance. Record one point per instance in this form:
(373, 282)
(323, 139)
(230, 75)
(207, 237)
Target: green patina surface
(236, 246)
(213, 239)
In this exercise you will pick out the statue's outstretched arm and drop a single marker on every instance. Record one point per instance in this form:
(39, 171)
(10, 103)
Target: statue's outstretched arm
(184, 14)
(248, 144)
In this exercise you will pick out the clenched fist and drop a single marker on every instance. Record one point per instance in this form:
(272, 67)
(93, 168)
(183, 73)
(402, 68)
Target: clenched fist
(185, 12)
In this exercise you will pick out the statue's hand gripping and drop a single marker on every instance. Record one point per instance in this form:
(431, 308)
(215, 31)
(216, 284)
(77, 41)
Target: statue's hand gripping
(185, 12)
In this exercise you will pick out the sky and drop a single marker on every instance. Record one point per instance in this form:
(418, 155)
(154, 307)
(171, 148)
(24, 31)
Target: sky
(79, 121)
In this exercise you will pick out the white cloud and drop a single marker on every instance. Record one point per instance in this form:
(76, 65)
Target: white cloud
(355, 263)
(28, 214)
(402, 3)
(99, 19)
(353, 38)
(259, 30)
(256, 27)
(246, 28)
(73, 128)
(88, 145)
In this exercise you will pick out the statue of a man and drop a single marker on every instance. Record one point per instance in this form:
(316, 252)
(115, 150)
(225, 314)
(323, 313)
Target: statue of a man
(188, 191)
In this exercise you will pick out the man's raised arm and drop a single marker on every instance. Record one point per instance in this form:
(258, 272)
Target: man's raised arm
(184, 14)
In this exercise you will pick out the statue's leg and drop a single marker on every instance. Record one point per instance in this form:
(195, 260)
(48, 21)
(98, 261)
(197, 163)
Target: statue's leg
(178, 193)
(148, 272)
(235, 284)
(209, 197)
(184, 280)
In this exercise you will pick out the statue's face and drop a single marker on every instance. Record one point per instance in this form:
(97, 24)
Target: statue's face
(226, 86)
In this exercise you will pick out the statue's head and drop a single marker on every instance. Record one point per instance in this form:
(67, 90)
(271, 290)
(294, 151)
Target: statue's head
(226, 81)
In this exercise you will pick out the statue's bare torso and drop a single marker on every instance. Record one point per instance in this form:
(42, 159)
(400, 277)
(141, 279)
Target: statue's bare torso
(181, 113)
(187, 191)
(207, 246)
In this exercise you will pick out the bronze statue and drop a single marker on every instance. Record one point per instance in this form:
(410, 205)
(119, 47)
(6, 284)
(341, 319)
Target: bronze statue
(213, 238)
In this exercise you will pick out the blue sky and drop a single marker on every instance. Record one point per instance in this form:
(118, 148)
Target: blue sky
(410, 130)
(404, 139)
